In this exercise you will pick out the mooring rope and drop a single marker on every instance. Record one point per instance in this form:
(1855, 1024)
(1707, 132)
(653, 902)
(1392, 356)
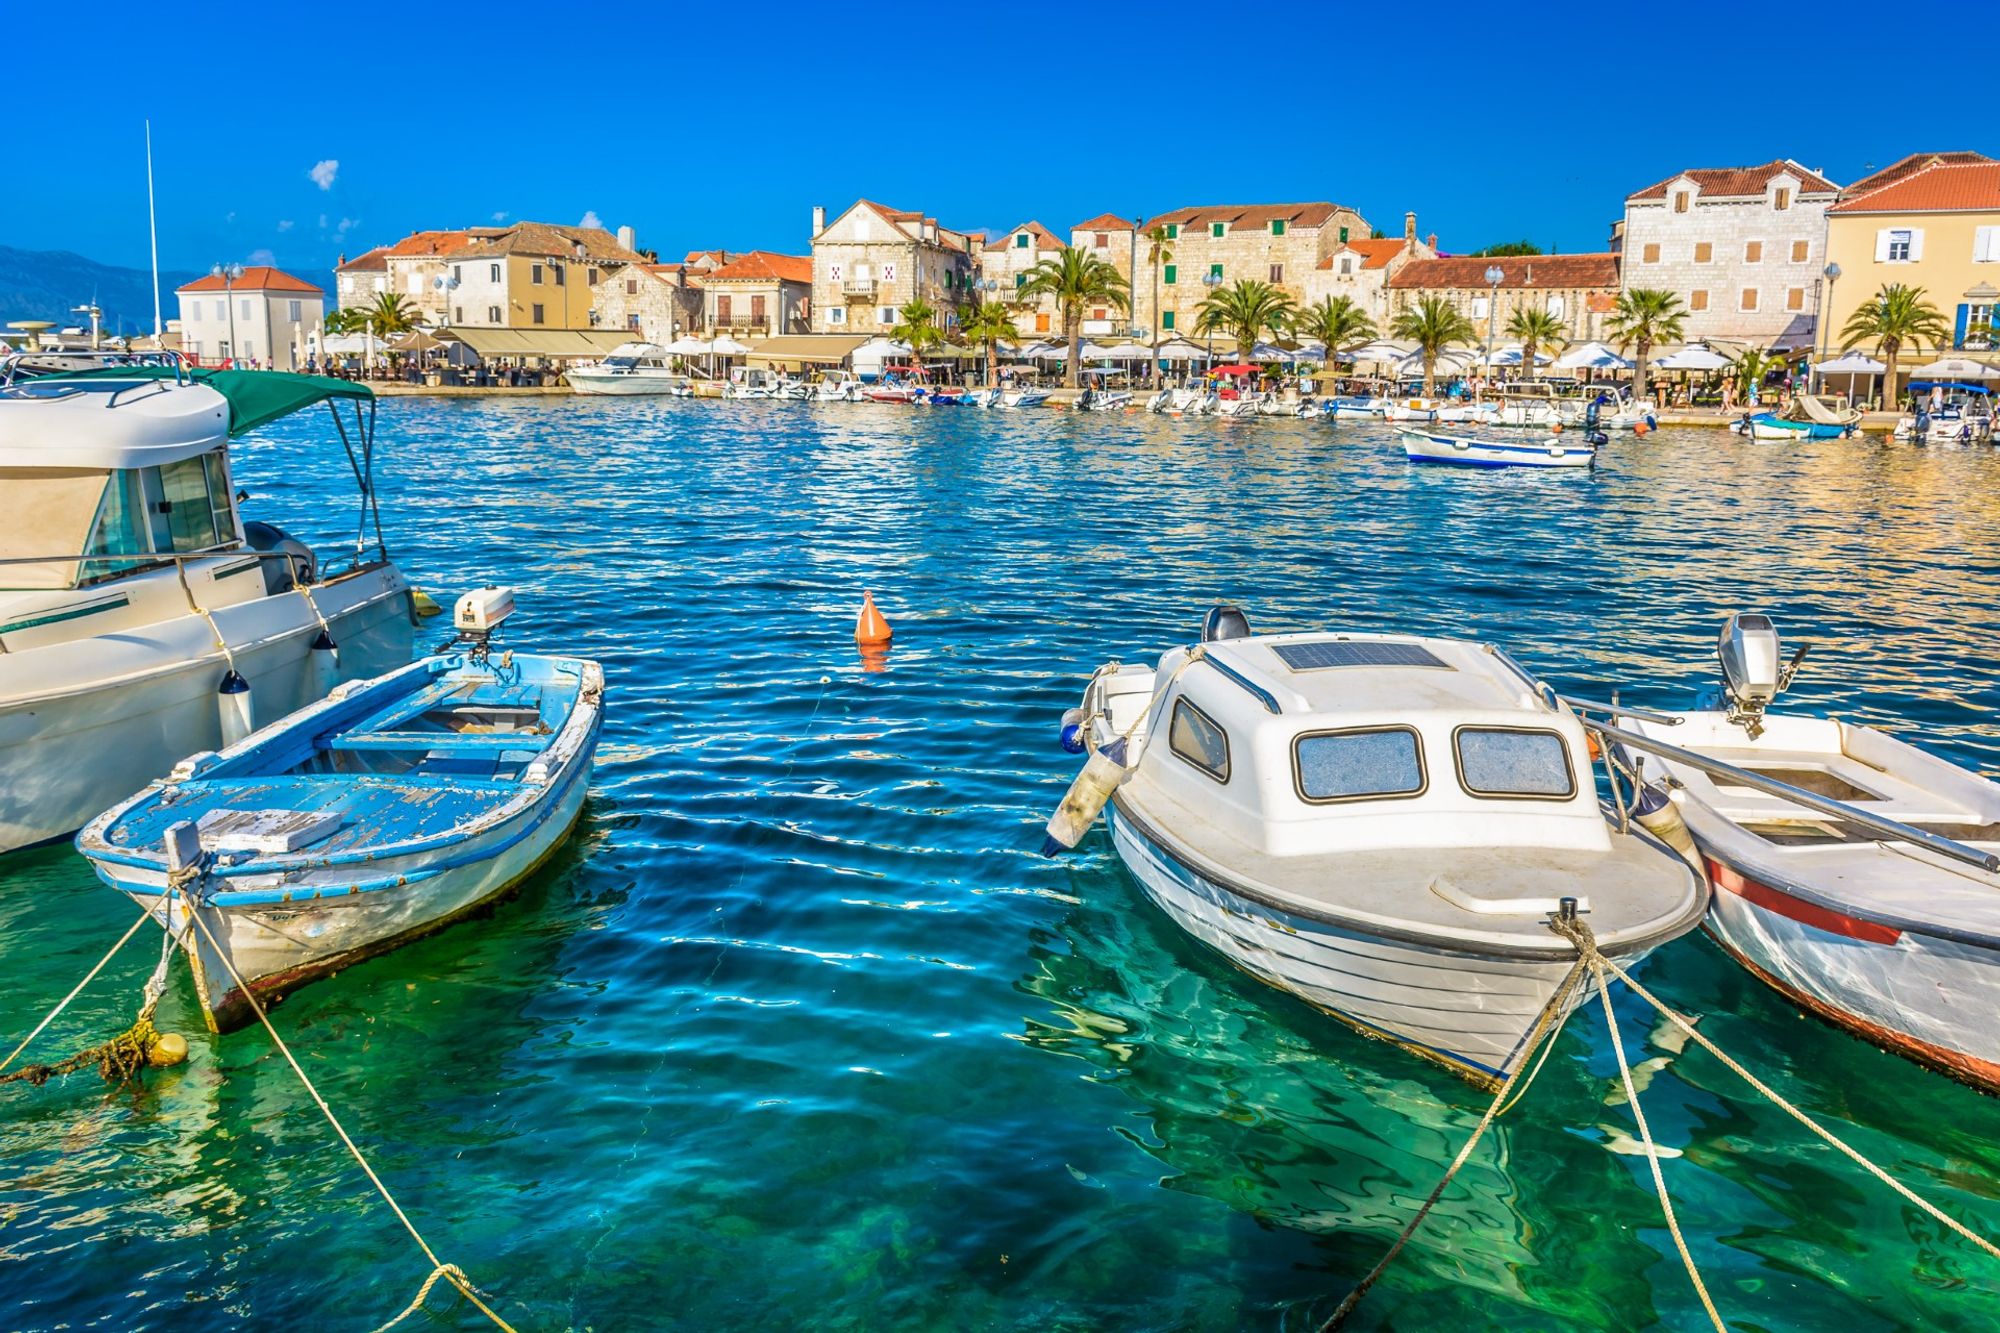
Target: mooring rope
(88, 977)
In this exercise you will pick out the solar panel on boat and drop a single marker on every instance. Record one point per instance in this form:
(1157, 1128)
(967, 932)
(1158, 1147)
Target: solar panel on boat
(1315, 654)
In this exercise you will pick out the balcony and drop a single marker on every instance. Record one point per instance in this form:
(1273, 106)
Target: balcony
(742, 323)
(858, 287)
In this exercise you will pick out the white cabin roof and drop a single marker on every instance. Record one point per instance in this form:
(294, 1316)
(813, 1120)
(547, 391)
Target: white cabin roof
(1353, 674)
(108, 423)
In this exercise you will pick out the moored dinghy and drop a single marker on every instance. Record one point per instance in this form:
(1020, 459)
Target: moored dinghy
(1471, 451)
(1889, 928)
(391, 809)
(1382, 825)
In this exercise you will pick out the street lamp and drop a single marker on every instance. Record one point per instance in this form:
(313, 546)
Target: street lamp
(1493, 277)
(1211, 280)
(1830, 273)
(229, 273)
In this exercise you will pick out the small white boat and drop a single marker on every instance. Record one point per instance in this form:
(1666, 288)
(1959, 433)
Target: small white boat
(841, 386)
(388, 810)
(1471, 451)
(1411, 409)
(1630, 415)
(1477, 414)
(1105, 400)
(631, 368)
(1187, 402)
(1359, 408)
(1894, 937)
(1380, 824)
(1023, 397)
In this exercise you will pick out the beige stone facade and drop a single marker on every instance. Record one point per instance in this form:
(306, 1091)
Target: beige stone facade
(531, 275)
(419, 272)
(759, 295)
(1005, 262)
(1579, 290)
(872, 260)
(358, 281)
(1281, 244)
(655, 303)
(1360, 271)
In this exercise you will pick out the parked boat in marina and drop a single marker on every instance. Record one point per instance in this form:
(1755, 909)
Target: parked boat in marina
(1023, 397)
(141, 617)
(1358, 408)
(1962, 414)
(1771, 426)
(1380, 824)
(632, 368)
(391, 808)
(1472, 451)
(1483, 414)
(1894, 936)
(839, 386)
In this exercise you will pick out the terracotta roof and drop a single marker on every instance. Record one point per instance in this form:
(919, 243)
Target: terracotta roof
(1963, 187)
(542, 238)
(374, 261)
(422, 244)
(670, 273)
(1374, 253)
(903, 217)
(1044, 238)
(1544, 272)
(1902, 167)
(1106, 222)
(1738, 182)
(762, 264)
(717, 257)
(1248, 215)
(256, 278)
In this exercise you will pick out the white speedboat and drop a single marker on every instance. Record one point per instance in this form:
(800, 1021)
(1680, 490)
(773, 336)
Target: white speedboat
(1023, 397)
(1631, 415)
(1854, 874)
(1472, 451)
(141, 618)
(1105, 400)
(1478, 414)
(1380, 824)
(1244, 404)
(1359, 408)
(1186, 401)
(840, 386)
(1411, 409)
(631, 368)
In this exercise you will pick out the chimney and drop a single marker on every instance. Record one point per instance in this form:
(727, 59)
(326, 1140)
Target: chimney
(628, 238)
(1433, 241)
(1409, 228)
(341, 262)
(819, 219)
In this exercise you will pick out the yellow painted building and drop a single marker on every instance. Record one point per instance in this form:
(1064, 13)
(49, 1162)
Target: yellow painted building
(1930, 221)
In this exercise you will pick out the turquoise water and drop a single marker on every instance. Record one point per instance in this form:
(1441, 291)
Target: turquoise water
(801, 1032)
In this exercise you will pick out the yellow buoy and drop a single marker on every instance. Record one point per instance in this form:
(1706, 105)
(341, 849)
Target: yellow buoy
(426, 606)
(169, 1049)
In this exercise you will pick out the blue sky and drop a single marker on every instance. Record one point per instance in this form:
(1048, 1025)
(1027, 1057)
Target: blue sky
(288, 134)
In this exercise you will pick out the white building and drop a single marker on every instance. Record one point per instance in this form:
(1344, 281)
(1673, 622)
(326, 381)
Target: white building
(262, 320)
(1741, 246)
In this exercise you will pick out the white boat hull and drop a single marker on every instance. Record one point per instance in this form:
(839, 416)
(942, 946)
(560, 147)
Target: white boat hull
(622, 385)
(70, 745)
(1467, 451)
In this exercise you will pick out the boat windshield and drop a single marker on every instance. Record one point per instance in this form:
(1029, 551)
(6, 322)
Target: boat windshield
(620, 362)
(118, 520)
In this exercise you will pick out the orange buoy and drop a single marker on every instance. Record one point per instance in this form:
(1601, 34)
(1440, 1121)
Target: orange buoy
(870, 627)
(1640, 428)
(1558, 428)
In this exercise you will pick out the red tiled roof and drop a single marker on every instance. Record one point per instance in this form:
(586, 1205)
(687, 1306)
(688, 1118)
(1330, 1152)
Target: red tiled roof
(762, 264)
(667, 273)
(421, 244)
(1541, 272)
(945, 235)
(1044, 238)
(1105, 222)
(697, 256)
(1737, 182)
(1249, 215)
(1963, 187)
(1374, 253)
(1902, 167)
(543, 238)
(374, 261)
(256, 278)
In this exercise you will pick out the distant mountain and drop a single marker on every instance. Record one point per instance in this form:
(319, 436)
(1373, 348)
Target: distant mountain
(48, 284)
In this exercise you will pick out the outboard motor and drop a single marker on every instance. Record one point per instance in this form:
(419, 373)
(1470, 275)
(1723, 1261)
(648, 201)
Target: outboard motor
(1593, 431)
(1751, 674)
(282, 575)
(1224, 622)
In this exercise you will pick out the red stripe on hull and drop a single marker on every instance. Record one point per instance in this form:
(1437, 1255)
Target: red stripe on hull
(1799, 910)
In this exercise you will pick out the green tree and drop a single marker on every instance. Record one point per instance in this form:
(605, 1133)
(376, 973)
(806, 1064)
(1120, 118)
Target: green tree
(918, 328)
(986, 324)
(1336, 321)
(1536, 329)
(1645, 316)
(1507, 249)
(1159, 253)
(1076, 279)
(1898, 317)
(1246, 310)
(1434, 324)
(1753, 365)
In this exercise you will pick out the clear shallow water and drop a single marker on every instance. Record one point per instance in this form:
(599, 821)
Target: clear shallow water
(801, 1031)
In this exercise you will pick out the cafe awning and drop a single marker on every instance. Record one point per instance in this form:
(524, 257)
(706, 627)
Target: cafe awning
(805, 349)
(552, 344)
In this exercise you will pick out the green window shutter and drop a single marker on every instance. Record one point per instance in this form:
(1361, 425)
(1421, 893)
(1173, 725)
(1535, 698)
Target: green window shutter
(1020, 279)
(1215, 270)
(1167, 319)
(1215, 229)
(1021, 241)
(1173, 231)
(1343, 236)
(1277, 226)
(1173, 271)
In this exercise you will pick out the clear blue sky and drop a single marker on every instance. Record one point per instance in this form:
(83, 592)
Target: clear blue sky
(721, 126)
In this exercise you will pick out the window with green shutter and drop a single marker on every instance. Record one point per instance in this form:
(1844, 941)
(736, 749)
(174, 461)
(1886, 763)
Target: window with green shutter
(1173, 231)
(1277, 226)
(1215, 270)
(1020, 279)
(1167, 319)
(1021, 241)
(1172, 271)
(1343, 236)
(1215, 229)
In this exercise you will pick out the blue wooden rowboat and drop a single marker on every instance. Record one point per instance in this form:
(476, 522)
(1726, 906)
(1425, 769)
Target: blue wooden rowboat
(387, 811)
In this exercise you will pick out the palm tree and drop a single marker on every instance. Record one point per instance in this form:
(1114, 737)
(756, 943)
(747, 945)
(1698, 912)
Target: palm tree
(1536, 329)
(919, 329)
(1076, 279)
(1336, 321)
(391, 314)
(986, 324)
(1159, 253)
(1645, 316)
(1434, 324)
(1246, 310)
(1899, 316)
(1753, 366)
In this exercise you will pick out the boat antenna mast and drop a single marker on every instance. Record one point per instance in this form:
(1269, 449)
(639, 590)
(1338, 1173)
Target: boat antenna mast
(153, 227)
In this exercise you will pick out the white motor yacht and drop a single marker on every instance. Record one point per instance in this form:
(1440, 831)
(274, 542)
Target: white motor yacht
(632, 368)
(1381, 824)
(141, 619)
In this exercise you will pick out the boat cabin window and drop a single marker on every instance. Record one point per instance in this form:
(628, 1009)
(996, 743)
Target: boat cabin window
(1496, 761)
(1363, 764)
(116, 520)
(1195, 737)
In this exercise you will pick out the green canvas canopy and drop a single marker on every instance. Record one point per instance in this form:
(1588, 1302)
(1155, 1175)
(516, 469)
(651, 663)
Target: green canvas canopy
(256, 397)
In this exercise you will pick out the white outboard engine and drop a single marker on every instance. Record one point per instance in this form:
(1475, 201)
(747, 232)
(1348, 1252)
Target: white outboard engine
(1752, 675)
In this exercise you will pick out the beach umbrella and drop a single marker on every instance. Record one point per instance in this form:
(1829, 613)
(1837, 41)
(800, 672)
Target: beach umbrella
(1381, 351)
(1093, 352)
(1851, 363)
(1181, 350)
(1235, 370)
(1451, 360)
(1129, 352)
(1956, 368)
(687, 345)
(1692, 357)
(728, 346)
(1591, 356)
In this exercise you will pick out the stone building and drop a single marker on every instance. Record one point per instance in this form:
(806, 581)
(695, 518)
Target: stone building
(358, 281)
(531, 275)
(1005, 262)
(1741, 246)
(263, 319)
(1276, 243)
(1360, 270)
(1579, 290)
(655, 303)
(419, 271)
(872, 260)
(759, 295)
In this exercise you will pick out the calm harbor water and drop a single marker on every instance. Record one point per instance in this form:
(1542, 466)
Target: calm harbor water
(800, 1031)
